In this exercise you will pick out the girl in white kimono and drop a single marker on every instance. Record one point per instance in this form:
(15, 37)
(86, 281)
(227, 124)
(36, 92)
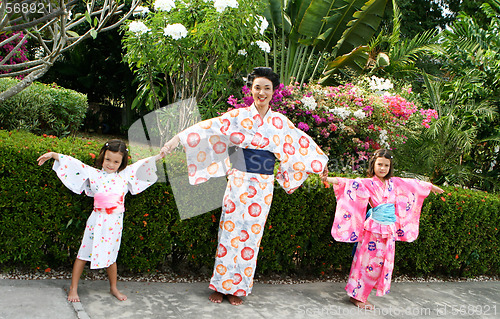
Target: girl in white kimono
(253, 137)
(108, 185)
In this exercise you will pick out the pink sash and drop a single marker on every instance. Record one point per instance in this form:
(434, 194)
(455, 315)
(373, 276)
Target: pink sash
(108, 203)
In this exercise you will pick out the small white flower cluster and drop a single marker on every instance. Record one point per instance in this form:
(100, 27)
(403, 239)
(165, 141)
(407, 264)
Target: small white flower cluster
(176, 31)
(383, 139)
(140, 11)
(359, 114)
(164, 5)
(263, 25)
(342, 112)
(138, 27)
(264, 46)
(221, 5)
(309, 102)
(380, 84)
(242, 52)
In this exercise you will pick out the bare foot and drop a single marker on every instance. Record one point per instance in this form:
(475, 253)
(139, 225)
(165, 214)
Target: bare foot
(216, 297)
(115, 292)
(363, 305)
(235, 301)
(73, 295)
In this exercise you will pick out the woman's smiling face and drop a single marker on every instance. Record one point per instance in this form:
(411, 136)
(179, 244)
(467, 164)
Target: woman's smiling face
(262, 92)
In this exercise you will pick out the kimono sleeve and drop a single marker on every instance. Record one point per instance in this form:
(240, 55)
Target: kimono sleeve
(410, 195)
(206, 145)
(74, 174)
(352, 201)
(140, 175)
(299, 156)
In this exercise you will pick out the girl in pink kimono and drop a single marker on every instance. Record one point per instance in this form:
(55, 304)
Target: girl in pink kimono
(394, 216)
(108, 185)
(253, 137)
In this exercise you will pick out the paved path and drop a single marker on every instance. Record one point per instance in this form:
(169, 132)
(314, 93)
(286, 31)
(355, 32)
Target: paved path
(21, 299)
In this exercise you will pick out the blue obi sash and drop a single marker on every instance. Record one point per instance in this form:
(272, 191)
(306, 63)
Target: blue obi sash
(384, 214)
(251, 160)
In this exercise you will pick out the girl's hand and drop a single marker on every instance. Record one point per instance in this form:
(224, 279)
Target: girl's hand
(169, 146)
(332, 180)
(45, 157)
(436, 190)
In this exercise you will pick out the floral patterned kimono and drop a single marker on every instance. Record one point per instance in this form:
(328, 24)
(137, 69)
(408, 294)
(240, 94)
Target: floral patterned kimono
(103, 232)
(249, 192)
(373, 260)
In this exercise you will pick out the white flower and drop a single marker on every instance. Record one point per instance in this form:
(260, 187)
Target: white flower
(359, 114)
(383, 139)
(309, 102)
(342, 112)
(69, 14)
(39, 53)
(380, 84)
(176, 31)
(138, 27)
(242, 52)
(140, 10)
(263, 25)
(264, 46)
(164, 5)
(221, 5)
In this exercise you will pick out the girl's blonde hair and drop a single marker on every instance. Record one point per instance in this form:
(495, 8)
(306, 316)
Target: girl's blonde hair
(371, 163)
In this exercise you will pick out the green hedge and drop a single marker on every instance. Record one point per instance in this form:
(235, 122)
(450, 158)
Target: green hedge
(41, 224)
(42, 109)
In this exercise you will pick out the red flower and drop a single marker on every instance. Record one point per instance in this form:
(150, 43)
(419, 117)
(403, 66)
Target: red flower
(48, 270)
(443, 199)
(456, 257)
(92, 155)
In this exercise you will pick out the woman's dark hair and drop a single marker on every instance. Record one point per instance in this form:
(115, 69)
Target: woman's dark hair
(113, 146)
(371, 163)
(264, 72)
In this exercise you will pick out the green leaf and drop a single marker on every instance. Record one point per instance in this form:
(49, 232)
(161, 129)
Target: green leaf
(93, 33)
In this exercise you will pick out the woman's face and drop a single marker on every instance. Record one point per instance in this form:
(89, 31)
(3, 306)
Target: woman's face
(382, 167)
(112, 161)
(262, 92)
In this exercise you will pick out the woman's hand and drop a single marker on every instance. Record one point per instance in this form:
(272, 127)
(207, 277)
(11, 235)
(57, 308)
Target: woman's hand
(45, 157)
(323, 175)
(169, 146)
(436, 190)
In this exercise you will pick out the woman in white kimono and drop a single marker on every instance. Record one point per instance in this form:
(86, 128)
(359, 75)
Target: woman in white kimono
(255, 136)
(108, 185)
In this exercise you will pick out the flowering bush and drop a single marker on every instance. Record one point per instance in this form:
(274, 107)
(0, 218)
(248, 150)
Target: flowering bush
(19, 56)
(349, 121)
(194, 49)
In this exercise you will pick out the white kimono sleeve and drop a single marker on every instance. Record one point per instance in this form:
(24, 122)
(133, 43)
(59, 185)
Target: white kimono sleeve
(140, 175)
(74, 174)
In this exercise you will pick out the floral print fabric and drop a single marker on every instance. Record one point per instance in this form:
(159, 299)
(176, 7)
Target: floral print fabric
(103, 231)
(248, 196)
(373, 260)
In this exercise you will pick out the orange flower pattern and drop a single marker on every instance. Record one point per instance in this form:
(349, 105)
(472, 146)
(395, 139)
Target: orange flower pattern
(103, 231)
(248, 196)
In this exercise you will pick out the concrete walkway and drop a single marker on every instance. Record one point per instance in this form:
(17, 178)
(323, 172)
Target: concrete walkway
(47, 299)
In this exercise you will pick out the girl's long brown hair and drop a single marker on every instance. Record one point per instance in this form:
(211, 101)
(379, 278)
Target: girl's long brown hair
(113, 146)
(371, 163)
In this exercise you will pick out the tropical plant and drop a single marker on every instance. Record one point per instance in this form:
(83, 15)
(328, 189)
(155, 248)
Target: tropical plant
(309, 33)
(444, 151)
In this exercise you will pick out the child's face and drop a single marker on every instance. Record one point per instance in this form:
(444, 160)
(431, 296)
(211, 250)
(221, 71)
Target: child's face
(112, 161)
(382, 167)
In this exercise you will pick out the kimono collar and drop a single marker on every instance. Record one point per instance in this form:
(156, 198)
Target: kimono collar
(387, 185)
(254, 111)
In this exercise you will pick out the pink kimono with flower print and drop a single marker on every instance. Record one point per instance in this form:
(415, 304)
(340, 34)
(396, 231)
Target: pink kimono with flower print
(248, 196)
(373, 260)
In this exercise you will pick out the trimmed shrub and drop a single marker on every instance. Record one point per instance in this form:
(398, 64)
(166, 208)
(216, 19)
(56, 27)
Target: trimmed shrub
(42, 109)
(42, 222)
